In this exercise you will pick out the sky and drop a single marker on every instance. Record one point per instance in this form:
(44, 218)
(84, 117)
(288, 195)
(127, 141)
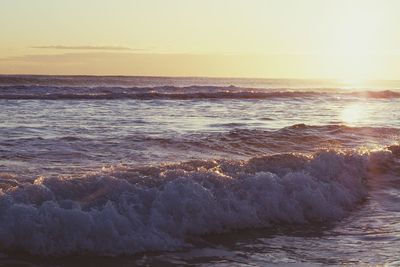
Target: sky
(335, 39)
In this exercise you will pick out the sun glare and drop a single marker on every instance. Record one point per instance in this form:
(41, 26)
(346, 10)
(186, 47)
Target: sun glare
(353, 46)
(352, 113)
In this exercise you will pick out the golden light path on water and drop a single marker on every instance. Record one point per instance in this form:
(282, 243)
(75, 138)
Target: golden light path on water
(360, 113)
(353, 113)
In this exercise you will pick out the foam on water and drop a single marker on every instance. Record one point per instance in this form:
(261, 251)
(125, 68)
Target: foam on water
(122, 210)
(34, 92)
(242, 153)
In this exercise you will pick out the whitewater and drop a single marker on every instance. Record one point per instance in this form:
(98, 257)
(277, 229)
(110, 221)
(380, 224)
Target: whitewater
(201, 171)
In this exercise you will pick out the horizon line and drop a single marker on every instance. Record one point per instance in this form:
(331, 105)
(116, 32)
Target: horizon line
(196, 76)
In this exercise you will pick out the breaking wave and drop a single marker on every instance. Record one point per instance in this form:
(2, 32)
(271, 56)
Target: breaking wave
(122, 210)
(174, 93)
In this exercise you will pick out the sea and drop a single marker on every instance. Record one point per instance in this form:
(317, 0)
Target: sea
(168, 171)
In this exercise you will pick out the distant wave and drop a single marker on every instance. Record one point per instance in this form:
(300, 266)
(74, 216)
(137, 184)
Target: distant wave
(173, 93)
(233, 142)
(296, 138)
(123, 210)
(377, 94)
(165, 92)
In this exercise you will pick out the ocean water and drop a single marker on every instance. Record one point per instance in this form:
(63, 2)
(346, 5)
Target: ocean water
(139, 171)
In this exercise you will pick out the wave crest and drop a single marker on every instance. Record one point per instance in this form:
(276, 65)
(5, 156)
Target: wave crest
(22, 92)
(122, 210)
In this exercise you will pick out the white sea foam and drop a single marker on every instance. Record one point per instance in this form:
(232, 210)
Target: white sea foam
(123, 211)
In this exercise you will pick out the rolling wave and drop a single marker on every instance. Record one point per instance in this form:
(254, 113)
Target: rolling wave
(175, 93)
(122, 210)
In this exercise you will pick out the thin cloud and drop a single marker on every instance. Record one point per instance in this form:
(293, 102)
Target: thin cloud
(88, 47)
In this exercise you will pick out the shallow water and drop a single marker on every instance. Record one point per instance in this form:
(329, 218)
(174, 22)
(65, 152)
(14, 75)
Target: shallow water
(167, 171)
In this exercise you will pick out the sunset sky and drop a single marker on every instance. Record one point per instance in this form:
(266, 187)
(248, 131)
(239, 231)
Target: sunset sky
(343, 39)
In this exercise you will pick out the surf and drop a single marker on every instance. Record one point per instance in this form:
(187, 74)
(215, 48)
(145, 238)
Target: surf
(126, 210)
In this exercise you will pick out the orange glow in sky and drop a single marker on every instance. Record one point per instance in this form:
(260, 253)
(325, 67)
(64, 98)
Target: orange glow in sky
(349, 40)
